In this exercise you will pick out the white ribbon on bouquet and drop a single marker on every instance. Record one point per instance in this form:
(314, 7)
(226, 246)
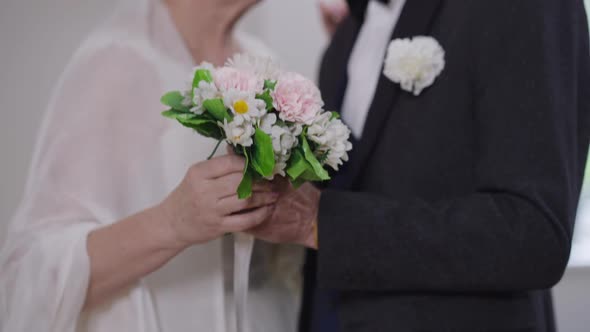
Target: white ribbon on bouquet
(243, 246)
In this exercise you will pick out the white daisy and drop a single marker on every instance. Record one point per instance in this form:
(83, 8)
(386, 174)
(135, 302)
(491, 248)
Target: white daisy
(244, 104)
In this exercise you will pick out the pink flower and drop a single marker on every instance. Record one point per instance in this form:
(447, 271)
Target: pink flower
(227, 78)
(296, 98)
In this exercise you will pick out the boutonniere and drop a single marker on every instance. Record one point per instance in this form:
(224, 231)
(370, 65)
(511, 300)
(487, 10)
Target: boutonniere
(414, 63)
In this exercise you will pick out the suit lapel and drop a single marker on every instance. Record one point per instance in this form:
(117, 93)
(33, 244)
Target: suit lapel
(416, 19)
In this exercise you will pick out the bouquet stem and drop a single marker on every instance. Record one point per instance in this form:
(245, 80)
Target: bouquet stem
(215, 150)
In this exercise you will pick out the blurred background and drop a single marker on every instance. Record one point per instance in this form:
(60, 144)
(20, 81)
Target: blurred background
(37, 39)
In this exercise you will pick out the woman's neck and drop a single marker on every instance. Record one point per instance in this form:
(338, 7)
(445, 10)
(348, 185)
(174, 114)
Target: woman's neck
(207, 27)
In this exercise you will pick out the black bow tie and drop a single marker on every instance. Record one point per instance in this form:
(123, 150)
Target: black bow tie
(359, 7)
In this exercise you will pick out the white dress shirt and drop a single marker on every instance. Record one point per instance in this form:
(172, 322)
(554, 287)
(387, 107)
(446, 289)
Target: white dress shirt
(366, 62)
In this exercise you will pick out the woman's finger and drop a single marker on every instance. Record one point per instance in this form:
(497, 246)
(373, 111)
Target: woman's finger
(244, 221)
(221, 166)
(226, 186)
(233, 205)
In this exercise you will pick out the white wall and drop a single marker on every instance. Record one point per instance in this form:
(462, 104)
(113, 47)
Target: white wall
(293, 28)
(37, 38)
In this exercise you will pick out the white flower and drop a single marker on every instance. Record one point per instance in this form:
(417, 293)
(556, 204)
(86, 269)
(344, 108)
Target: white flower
(414, 63)
(284, 139)
(266, 122)
(280, 165)
(189, 94)
(331, 136)
(238, 131)
(244, 104)
(204, 91)
(264, 67)
(187, 97)
(296, 129)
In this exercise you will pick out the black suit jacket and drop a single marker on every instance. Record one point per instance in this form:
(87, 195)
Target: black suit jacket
(461, 201)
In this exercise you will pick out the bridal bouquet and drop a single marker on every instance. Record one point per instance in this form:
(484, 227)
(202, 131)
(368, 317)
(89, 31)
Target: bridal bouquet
(274, 118)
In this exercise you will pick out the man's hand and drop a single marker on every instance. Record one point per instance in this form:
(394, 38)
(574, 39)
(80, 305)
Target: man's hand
(294, 219)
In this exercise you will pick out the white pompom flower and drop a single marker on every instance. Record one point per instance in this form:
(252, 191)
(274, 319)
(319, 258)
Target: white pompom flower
(414, 63)
(239, 131)
(264, 67)
(332, 138)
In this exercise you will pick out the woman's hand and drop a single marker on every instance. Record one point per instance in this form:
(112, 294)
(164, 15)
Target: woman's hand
(205, 204)
(203, 207)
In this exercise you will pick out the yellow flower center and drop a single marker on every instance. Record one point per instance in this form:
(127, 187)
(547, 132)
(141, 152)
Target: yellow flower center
(241, 107)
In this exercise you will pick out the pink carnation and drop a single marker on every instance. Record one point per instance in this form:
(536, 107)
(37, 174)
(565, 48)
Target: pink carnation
(227, 78)
(296, 98)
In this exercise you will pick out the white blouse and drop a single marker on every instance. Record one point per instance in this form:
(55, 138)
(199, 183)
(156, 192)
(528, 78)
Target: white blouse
(104, 153)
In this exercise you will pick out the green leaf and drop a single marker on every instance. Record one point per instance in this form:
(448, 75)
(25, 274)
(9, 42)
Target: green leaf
(207, 129)
(202, 75)
(217, 109)
(270, 85)
(335, 115)
(265, 96)
(210, 130)
(313, 161)
(297, 164)
(194, 121)
(174, 100)
(202, 124)
(309, 175)
(175, 114)
(297, 183)
(300, 170)
(263, 155)
(245, 188)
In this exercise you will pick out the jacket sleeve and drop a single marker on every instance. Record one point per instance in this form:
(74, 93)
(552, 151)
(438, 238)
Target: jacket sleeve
(513, 232)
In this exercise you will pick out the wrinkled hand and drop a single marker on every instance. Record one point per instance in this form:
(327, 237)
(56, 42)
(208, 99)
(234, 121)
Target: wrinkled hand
(333, 12)
(294, 217)
(205, 205)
